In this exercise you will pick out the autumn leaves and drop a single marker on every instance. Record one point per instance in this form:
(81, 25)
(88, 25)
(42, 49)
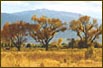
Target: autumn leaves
(47, 28)
(88, 30)
(14, 33)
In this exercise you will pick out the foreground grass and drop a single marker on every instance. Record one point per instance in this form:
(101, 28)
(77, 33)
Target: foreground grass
(52, 58)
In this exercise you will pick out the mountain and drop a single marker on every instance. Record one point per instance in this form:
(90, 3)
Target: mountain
(26, 16)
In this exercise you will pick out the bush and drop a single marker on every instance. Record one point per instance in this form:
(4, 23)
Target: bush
(97, 45)
(28, 45)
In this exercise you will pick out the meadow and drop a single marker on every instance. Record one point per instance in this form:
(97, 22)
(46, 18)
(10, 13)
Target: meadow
(38, 57)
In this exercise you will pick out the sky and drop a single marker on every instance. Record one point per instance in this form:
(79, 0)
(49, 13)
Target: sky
(91, 8)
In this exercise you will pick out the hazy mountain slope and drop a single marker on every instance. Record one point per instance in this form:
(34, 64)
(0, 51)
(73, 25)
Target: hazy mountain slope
(26, 15)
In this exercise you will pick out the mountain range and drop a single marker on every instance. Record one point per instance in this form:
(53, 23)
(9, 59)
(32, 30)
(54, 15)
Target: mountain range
(26, 16)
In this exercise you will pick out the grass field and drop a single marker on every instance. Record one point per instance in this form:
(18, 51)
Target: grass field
(52, 58)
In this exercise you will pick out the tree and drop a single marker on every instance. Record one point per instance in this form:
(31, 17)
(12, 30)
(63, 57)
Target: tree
(14, 33)
(57, 43)
(72, 43)
(45, 29)
(87, 30)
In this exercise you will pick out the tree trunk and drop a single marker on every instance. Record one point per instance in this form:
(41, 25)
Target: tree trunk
(86, 45)
(46, 46)
(89, 52)
(86, 37)
(18, 48)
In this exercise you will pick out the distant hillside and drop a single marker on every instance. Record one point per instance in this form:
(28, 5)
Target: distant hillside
(26, 15)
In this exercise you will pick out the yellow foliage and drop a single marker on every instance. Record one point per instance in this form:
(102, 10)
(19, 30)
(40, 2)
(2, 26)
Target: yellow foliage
(43, 19)
(89, 26)
(84, 19)
(6, 25)
(34, 18)
(57, 43)
(60, 40)
(58, 24)
(75, 24)
(35, 27)
(54, 43)
(63, 29)
(92, 32)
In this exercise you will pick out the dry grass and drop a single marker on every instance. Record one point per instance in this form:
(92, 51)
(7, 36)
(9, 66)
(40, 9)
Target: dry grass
(59, 58)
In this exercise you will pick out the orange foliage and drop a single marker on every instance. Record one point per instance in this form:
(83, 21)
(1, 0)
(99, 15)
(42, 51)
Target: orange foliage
(14, 33)
(84, 19)
(34, 18)
(45, 28)
(84, 26)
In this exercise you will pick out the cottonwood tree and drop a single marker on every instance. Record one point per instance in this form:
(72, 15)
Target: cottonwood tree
(87, 30)
(44, 29)
(14, 33)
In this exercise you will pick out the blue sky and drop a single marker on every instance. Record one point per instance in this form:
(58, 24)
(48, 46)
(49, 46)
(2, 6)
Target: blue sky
(91, 8)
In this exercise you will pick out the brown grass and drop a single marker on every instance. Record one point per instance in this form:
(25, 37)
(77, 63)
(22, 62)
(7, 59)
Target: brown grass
(59, 58)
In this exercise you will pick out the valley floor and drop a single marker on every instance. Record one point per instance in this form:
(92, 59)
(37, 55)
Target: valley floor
(54, 58)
